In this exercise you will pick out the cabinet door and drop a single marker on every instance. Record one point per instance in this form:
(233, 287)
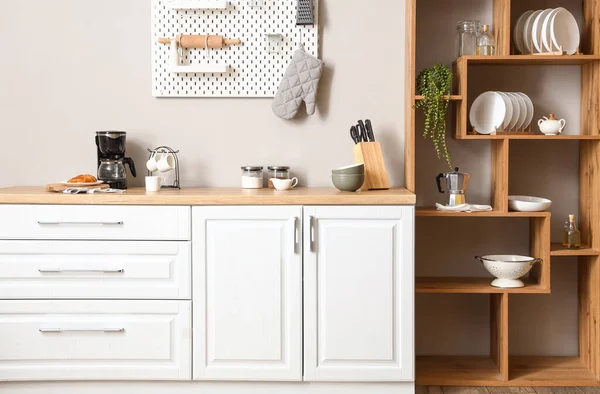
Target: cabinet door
(358, 293)
(247, 281)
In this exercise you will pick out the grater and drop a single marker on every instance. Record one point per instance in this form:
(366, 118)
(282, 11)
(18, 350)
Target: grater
(305, 13)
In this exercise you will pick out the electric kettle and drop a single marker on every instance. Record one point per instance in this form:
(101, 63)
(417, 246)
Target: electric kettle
(456, 184)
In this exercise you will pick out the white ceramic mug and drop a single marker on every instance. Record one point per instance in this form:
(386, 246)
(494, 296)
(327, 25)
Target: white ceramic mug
(152, 163)
(153, 183)
(166, 163)
(284, 184)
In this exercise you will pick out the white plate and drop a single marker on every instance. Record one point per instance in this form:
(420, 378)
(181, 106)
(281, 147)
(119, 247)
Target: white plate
(565, 32)
(81, 184)
(516, 108)
(530, 110)
(546, 34)
(487, 112)
(522, 111)
(509, 110)
(536, 30)
(518, 32)
(527, 31)
(528, 204)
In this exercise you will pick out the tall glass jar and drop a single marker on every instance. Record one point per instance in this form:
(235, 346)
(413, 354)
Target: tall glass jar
(467, 33)
(278, 172)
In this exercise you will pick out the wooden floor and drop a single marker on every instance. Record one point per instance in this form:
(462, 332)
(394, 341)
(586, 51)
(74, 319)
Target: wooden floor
(506, 390)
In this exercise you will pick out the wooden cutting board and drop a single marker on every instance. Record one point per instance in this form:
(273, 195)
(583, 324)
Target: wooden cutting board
(59, 187)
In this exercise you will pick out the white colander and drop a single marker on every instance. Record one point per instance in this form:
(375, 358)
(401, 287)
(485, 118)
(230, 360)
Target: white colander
(508, 269)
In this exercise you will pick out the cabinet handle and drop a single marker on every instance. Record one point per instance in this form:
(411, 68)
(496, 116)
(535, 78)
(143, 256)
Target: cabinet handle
(43, 223)
(100, 271)
(57, 329)
(296, 235)
(311, 219)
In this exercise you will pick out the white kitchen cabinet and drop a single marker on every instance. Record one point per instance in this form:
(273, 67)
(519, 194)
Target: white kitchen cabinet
(358, 293)
(95, 270)
(247, 280)
(95, 340)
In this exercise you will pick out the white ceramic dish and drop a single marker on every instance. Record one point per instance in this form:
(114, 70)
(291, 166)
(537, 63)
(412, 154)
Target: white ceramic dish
(530, 109)
(528, 204)
(522, 111)
(508, 269)
(509, 110)
(564, 31)
(518, 31)
(516, 111)
(527, 27)
(546, 34)
(536, 30)
(487, 112)
(81, 184)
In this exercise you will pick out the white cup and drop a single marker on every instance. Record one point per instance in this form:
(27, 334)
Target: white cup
(166, 163)
(153, 183)
(284, 184)
(152, 163)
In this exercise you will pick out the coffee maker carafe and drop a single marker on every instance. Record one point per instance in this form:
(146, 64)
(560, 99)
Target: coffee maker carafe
(456, 184)
(111, 158)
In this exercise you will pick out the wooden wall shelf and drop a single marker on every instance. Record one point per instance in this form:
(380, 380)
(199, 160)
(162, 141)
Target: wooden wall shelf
(500, 369)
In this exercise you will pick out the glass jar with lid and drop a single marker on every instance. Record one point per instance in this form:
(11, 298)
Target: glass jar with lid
(467, 33)
(252, 177)
(278, 172)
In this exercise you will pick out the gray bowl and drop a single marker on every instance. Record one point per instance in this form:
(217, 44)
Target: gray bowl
(355, 169)
(348, 183)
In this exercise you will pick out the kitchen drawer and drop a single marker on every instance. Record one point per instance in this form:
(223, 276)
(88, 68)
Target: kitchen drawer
(97, 222)
(95, 340)
(95, 269)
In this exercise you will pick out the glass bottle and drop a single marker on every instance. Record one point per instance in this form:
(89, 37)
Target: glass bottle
(486, 43)
(466, 37)
(565, 242)
(572, 234)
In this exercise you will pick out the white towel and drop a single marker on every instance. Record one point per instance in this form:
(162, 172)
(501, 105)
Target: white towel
(464, 208)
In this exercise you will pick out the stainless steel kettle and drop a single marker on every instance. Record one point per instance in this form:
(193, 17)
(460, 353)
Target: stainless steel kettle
(456, 184)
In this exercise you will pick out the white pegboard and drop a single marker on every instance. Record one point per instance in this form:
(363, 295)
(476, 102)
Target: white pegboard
(255, 67)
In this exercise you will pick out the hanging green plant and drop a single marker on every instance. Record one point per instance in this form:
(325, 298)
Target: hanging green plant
(434, 84)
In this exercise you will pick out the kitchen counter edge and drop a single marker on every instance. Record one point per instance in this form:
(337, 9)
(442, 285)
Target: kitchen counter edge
(210, 196)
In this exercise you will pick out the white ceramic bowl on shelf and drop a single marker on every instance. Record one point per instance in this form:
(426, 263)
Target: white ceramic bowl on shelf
(528, 204)
(508, 269)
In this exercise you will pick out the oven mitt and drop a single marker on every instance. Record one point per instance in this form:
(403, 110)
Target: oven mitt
(299, 83)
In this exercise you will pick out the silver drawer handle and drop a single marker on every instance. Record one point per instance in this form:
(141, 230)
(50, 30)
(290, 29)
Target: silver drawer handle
(99, 271)
(42, 223)
(82, 329)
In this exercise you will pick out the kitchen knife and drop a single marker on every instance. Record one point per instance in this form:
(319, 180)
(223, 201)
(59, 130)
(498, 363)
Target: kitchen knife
(370, 132)
(363, 131)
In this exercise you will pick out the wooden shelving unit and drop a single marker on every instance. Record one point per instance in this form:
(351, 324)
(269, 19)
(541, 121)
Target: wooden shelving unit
(499, 368)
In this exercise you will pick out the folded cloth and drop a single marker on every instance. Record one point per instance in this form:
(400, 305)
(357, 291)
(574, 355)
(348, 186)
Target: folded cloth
(464, 208)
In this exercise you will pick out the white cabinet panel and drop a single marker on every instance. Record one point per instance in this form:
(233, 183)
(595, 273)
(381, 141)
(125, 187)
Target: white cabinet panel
(99, 222)
(247, 293)
(95, 340)
(95, 269)
(359, 293)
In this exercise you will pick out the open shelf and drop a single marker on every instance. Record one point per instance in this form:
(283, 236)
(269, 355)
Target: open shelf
(531, 59)
(471, 286)
(556, 250)
(433, 212)
(528, 137)
(550, 371)
(457, 371)
(454, 97)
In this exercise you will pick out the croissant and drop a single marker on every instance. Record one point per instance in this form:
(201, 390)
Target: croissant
(86, 178)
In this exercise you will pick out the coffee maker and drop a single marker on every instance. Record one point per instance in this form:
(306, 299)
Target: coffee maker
(456, 184)
(111, 158)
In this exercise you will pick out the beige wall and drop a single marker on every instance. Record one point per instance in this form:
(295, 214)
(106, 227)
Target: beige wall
(71, 67)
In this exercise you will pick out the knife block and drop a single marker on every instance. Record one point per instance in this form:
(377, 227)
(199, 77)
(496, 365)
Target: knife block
(370, 153)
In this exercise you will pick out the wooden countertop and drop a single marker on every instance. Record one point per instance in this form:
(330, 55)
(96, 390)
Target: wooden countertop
(216, 196)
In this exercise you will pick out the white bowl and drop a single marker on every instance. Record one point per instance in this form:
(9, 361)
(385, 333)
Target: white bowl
(528, 204)
(508, 269)
(487, 112)
(564, 31)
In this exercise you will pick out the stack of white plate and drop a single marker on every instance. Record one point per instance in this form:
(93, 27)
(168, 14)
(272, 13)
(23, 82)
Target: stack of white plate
(500, 111)
(547, 31)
